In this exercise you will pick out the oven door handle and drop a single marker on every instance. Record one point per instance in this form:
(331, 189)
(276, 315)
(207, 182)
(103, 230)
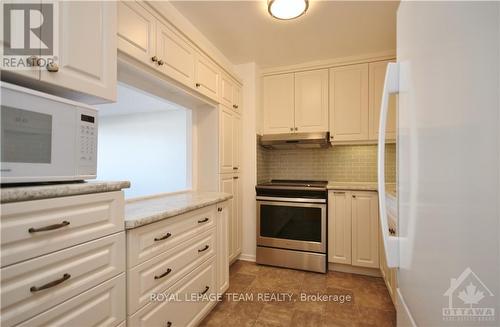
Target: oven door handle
(296, 200)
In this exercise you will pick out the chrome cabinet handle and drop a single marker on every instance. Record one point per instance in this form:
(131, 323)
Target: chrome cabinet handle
(235, 177)
(163, 237)
(50, 227)
(339, 192)
(205, 291)
(235, 168)
(52, 67)
(164, 274)
(154, 59)
(56, 282)
(160, 62)
(204, 249)
(203, 221)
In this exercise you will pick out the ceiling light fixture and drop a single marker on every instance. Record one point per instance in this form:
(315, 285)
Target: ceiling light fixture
(287, 9)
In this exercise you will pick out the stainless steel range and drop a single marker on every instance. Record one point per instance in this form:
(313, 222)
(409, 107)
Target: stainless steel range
(291, 224)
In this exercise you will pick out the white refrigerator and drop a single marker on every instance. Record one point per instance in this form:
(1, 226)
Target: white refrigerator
(447, 246)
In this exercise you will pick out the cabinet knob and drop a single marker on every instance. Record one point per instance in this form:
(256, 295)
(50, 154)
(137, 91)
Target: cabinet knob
(219, 209)
(160, 62)
(52, 67)
(235, 106)
(354, 196)
(198, 84)
(154, 59)
(291, 128)
(296, 128)
(235, 177)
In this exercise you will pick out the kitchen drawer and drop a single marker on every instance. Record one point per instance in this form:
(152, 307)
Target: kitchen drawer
(144, 279)
(103, 305)
(72, 220)
(148, 241)
(181, 313)
(78, 269)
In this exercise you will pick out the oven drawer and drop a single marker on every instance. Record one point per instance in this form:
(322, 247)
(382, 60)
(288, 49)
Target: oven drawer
(67, 221)
(292, 225)
(148, 241)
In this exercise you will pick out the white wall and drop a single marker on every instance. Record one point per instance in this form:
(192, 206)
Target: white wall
(250, 74)
(150, 149)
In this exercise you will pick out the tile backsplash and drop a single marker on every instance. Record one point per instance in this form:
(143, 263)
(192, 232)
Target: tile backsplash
(340, 163)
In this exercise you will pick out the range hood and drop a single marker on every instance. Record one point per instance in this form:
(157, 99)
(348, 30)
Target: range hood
(296, 141)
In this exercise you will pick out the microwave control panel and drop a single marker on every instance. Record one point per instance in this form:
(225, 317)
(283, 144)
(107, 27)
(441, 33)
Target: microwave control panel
(88, 139)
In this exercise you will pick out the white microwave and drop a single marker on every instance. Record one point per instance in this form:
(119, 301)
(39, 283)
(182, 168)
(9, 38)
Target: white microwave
(45, 138)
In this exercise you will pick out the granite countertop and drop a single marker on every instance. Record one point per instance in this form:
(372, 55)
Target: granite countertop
(149, 210)
(45, 191)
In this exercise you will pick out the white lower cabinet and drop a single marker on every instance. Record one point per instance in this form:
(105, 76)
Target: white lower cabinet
(184, 304)
(99, 306)
(230, 183)
(353, 232)
(182, 256)
(223, 246)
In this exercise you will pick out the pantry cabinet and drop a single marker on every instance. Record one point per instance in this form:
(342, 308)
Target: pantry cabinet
(349, 103)
(223, 216)
(353, 228)
(311, 101)
(226, 146)
(230, 183)
(376, 85)
(236, 142)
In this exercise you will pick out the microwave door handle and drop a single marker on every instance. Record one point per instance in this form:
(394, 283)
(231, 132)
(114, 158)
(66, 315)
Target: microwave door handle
(391, 86)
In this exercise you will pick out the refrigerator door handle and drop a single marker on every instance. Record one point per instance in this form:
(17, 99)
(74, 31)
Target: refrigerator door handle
(391, 86)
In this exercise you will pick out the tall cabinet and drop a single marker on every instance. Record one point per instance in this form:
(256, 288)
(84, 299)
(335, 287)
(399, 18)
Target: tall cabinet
(230, 160)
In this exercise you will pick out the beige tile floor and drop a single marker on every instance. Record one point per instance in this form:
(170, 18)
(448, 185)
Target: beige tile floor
(370, 305)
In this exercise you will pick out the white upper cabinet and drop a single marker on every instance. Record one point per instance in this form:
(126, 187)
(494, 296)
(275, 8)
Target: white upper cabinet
(207, 77)
(87, 48)
(376, 82)
(311, 101)
(349, 103)
(279, 115)
(237, 98)
(136, 31)
(365, 229)
(226, 91)
(175, 55)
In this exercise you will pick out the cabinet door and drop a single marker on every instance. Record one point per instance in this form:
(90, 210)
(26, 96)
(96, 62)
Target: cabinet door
(136, 31)
(311, 101)
(227, 186)
(207, 77)
(175, 55)
(365, 229)
(376, 85)
(223, 215)
(237, 98)
(87, 48)
(237, 230)
(236, 143)
(225, 140)
(226, 91)
(339, 227)
(279, 116)
(349, 103)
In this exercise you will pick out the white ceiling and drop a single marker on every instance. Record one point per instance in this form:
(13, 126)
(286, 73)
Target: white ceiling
(131, 100)
(245, 32)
